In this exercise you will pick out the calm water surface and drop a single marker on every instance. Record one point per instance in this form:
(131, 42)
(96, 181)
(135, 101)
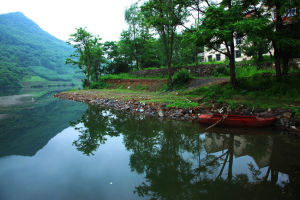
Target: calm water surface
(57, 149)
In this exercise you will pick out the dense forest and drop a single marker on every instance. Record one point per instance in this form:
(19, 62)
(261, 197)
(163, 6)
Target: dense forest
(27, 53)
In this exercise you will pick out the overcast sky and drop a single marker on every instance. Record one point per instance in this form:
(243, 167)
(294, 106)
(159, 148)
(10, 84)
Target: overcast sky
(61, 17)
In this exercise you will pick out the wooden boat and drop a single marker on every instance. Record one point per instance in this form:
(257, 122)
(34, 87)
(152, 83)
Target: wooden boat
(235, 120)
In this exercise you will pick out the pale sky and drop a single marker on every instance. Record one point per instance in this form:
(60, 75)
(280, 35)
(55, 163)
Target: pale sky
(60, 17)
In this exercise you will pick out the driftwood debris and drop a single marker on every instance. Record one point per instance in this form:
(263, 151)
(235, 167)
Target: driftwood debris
(219, 121)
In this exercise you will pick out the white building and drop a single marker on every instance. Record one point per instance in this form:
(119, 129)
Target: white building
(211, 55)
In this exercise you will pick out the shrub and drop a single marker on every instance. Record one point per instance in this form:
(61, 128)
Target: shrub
(100, 84)
(180, 78)
(221, 70)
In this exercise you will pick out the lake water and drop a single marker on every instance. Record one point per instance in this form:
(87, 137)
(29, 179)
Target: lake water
(58, 149)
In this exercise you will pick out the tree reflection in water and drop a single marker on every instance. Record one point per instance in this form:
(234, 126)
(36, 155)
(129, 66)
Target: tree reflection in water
(97, 125)
(181, 162)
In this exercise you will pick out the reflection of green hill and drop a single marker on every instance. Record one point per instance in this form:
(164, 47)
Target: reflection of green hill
(29, 129)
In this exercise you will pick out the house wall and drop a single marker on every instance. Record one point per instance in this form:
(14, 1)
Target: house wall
(210, 53)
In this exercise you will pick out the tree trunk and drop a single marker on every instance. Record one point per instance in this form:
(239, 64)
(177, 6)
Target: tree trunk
(277, 62)
(232, 63)
(260, 58)
(168, 59)
(137, 64)
(96, 74)
(278, 28)
(285, 65)
(196, 56)
(88, 77)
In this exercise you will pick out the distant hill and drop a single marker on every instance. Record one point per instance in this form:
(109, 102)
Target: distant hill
(30, 54)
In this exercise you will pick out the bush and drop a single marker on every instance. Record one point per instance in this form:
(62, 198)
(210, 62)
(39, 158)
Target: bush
(100, 84)
(221, 70)
(180, 78)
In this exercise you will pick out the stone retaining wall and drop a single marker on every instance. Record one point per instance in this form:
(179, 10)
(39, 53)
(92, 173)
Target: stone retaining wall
(198, 71)
(149, 84)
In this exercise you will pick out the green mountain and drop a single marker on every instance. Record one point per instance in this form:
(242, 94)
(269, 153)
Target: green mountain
(30, 55)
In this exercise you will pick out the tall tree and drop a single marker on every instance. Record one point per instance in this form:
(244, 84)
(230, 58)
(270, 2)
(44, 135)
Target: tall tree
(218, 27)
(256, 32)
(136, 42)
(284, 32)
(116, 62)
(88, 54)
(97, 55)
(165, 16)
(222, 23)
(133, 19)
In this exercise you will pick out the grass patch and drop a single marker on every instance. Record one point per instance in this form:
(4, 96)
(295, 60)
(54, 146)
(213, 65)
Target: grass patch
(248, 71)
(180, 104)
(140, 87)
(50, 74)
(256, 91)
(170, 98)
(34, 79)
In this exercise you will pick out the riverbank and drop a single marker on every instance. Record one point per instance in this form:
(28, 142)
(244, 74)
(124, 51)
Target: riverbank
(172, 105)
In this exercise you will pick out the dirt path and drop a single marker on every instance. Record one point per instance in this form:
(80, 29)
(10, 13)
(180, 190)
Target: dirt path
(206, 81)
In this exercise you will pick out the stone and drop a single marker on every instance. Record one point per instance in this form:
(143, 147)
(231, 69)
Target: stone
(287, 115)
(161, 113)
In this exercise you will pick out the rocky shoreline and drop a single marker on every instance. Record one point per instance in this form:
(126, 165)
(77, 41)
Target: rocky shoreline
(285, 119)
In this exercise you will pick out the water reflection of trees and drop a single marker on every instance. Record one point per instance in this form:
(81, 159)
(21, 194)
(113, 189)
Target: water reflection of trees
(97, 125)
(180, 163)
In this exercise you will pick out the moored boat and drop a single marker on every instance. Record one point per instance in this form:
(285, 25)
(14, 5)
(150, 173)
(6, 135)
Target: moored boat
(235, 120)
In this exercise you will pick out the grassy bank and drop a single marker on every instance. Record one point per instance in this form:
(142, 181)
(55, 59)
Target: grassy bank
(171, 99)
(257, 88)
(257, 91)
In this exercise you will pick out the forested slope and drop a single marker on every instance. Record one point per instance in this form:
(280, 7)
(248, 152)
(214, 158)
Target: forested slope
(28, 53)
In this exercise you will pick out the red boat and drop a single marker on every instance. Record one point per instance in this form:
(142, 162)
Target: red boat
(235, 120)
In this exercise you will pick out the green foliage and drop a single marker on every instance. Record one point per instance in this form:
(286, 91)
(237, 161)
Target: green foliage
(100, 84)
(248, 71)
(140, 87)
(164, 17)
(24, 44)
(259, 91)
(121, 86)
(49, 74)
(116, 61)
(137, 44)
(88, 55)
(11, 76)
(180, 78)
(221, 70)
(180, 104)
(35, 79)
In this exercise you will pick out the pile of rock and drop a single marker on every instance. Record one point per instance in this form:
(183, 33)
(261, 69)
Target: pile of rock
(285, 118)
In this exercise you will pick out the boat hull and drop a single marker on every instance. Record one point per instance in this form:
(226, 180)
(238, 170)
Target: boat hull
(236, 120)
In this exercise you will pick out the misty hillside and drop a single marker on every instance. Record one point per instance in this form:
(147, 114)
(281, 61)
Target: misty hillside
(30, 54)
